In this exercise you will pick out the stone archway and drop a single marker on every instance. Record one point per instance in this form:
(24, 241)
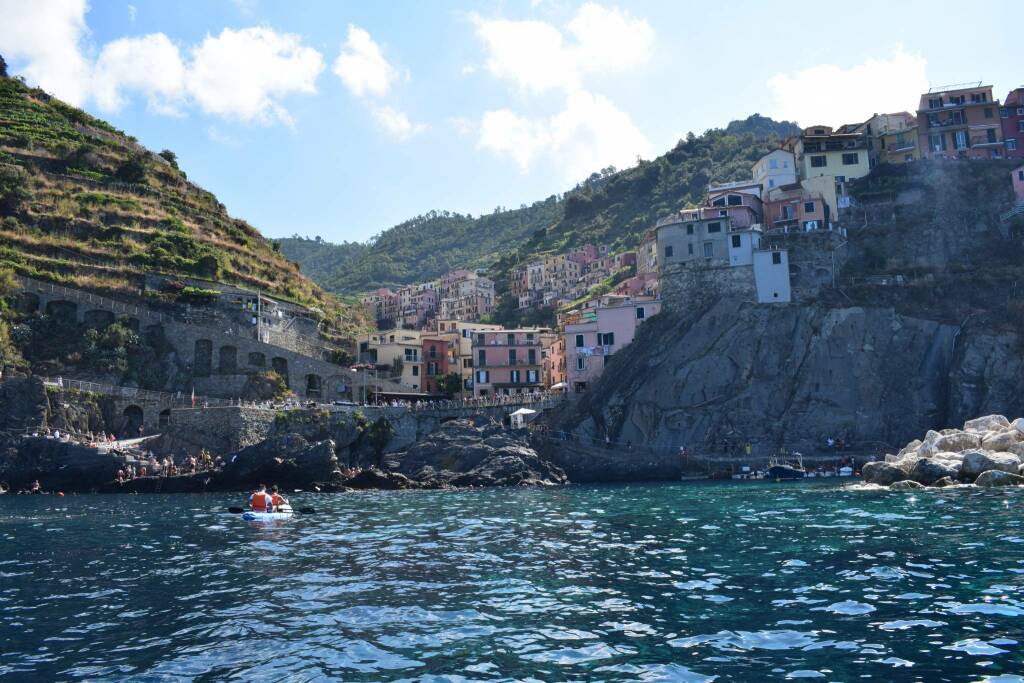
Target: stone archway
(227, 360)
(257, 359)
(133, 418)
(280, 366)
(59, 308)
(132, 324)
(314, 387)
(202, 358)
(165, 417)
(27, 302)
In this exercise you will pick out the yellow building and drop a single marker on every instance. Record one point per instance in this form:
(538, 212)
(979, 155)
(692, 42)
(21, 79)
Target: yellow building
(841, 153)
(892, 138)
(397, 354)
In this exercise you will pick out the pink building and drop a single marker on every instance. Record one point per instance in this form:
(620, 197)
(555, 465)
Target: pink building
(1012, 116)
(644, 284)
(1018, 183)
(791, 207)
(960, 122)
(508, 362)
(599, 333)
(744, 208)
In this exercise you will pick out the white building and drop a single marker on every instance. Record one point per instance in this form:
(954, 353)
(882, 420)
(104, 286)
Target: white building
(774, 169)
(771, 276)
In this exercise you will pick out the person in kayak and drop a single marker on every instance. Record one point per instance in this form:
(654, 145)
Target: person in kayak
(276, 498)
(261, 500)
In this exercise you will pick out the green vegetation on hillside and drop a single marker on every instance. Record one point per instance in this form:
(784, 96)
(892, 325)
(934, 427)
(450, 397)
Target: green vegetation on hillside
(83, 204)
(612, 207)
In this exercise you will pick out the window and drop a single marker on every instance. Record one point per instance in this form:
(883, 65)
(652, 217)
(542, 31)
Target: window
(668, 251)
(480, 339)
(957, 99)
(818, 161)
(531, 377)
(720, 201)
(579, 341)
(415, 371)
(988, 112)
(1020, 175)
(511, 338)
(433, 352)
(432, 368)
(581, 362)
(641, 312)
(934, 102)
(410, 354)
(1020, 126)
(976, 97)
(808, 207)
(819, 131)
(1020, 111)
(531, 356)
(529, 337)
(723, 214)
(851, 159)
(714, 227)
(709, 249)
(481, 358)
(512, 357)
(787, 213)
(514, 377)
(937, 142)
(771, 182)
(736, 241)
(990, 134)
(1004, 113)
(735, 200)
(773, 163)
(606, 338)
(689, 249)
(776, 258)
(483, 376)
(689, 228)
(467, 362)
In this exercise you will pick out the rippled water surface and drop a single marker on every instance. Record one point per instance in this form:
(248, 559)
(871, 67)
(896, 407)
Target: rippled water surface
(687, 582)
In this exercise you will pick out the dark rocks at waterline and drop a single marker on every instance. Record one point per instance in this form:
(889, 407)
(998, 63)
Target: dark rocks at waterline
(954, 455)
(906, 485)
(462, 454)
(58, 465)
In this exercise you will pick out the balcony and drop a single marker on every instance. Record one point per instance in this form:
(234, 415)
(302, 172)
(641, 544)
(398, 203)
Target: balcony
(984, 141)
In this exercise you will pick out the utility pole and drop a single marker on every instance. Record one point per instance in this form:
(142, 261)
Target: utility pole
(259, 316)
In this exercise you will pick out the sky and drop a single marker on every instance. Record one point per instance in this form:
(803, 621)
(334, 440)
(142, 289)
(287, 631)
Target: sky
(342, 119)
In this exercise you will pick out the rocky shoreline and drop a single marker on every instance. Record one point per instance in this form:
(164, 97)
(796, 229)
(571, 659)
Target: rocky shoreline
(461, 454)
(987, 452)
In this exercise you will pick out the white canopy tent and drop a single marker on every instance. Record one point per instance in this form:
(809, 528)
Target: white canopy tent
(521, 417)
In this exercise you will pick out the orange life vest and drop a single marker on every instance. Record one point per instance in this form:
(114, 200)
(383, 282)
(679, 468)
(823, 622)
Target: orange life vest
(276, 499)
(260, 502)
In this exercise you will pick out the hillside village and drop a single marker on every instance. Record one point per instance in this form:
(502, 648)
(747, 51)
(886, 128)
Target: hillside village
(774, 238)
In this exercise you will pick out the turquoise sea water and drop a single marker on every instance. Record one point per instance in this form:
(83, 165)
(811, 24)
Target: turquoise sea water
(687, 582)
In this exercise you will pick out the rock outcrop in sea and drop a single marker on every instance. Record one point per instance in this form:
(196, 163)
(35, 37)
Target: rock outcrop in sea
(988, 451)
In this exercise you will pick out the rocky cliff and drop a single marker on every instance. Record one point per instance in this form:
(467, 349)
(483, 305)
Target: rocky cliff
(871, 363)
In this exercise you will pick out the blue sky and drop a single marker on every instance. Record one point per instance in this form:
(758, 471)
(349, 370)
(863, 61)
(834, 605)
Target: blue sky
(341, 119)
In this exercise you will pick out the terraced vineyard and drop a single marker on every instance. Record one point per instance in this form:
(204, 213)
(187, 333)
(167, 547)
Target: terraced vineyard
(83, 204)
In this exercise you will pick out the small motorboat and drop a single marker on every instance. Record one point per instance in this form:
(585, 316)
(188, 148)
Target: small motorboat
(779, 471)
(282, 512)
(845, 471)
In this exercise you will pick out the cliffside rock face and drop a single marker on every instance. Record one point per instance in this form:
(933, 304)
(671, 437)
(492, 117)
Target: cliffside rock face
(288, 460)
(462, 454)
(58, 465)
(791, 375)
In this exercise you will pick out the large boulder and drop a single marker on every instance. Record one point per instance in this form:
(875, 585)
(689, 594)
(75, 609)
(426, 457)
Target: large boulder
(977, 462)
(1018, 425)
(998, 478)
(989, 423)
(288, 460)
(954, 441)
(944, 482)
(882, 473)
(1002, 441)
(927, 471)
(906, 485)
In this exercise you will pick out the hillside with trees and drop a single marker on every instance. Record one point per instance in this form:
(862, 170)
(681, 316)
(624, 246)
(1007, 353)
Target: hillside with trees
(83, 204)
(610, 206)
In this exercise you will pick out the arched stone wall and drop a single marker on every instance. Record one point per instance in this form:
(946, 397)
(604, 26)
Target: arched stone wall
(257, 359)
(134, 417)
(27, 302)
(280, 366)
(314, 387)
(98, 318)
(202, 358)
(60, 308)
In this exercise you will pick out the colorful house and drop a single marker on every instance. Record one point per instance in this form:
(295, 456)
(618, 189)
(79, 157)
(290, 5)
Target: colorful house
(1012, 117)
(1018, 183)
(774, 169)
(509, 362)
(594, 335)
(959, 121)
(823, 151)
(892, 138)
(437, 356)
(692, 235)
(793, 208)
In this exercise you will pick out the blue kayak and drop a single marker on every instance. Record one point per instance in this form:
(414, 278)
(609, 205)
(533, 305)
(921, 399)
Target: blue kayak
(251, 516)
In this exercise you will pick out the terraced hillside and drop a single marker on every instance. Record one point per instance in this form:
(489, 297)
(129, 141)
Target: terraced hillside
(83, 204)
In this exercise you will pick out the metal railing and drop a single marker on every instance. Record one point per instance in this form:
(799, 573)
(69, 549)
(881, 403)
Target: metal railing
(134, 393)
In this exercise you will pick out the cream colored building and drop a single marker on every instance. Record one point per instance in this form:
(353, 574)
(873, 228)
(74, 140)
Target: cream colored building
(392, 350)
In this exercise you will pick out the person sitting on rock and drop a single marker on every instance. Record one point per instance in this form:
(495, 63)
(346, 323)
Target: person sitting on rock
(261, 501)
(277, 499)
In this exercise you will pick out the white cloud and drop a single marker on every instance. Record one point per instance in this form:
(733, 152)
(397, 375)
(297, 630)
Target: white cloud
(243, 74)
(588, 134)
(830, 95)
(536, 56)
(397, 123)
(151, 65)
(361, 65)
(46, 37)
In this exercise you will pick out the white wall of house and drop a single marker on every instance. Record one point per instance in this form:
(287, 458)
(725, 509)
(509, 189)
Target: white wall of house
(771, 276)
(742, 246)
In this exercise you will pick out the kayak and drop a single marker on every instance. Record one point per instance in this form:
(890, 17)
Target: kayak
(283, 513)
